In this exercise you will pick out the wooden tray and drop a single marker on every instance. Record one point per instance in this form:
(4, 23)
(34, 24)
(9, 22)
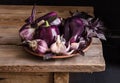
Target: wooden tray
(59, 56)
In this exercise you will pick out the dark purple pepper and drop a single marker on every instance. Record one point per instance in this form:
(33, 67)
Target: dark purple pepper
(31, 19)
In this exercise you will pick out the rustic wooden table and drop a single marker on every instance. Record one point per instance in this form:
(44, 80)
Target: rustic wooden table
(17, 66)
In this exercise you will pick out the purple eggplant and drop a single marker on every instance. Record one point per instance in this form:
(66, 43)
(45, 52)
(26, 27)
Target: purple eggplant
(73, 29)
(26, 33)
(66, 29)
(77, 28)
(28, 29)
(47, 33)
(50, 17)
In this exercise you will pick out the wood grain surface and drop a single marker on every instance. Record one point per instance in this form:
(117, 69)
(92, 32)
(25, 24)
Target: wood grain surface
(26, 77)
(15, 15)
(14, 58)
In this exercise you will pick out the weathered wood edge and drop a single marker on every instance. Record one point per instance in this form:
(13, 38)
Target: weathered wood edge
(89, 68)
(61, 77)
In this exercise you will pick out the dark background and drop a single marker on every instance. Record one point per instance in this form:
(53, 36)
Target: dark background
(108, 11)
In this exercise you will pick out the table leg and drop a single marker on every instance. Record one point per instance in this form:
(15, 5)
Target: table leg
(61, 77)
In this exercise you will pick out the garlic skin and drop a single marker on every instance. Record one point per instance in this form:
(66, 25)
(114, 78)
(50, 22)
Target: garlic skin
(59, 47)
(74, 45)
(38, 46)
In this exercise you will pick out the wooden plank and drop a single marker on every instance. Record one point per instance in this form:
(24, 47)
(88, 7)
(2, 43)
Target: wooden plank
(61, 77)
(15, 15)
(9, 35)
(15, 59)
(26, 77)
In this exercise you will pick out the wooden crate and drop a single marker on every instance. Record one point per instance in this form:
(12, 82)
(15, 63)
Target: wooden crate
(17, 66)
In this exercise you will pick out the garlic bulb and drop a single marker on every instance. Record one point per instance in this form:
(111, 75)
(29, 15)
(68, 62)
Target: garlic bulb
(59, 47)
(38, 46)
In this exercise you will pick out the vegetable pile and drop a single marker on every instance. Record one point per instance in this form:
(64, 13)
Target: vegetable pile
(53, 35)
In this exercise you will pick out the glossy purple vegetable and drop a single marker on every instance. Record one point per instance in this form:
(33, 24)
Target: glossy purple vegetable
(27, 32)
(73, 29)
(50, 17)
(77, 28)
(47, 33)
(28, 29)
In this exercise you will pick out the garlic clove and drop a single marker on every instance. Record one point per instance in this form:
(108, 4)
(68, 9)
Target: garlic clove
(59, 47)
(68, 48)
(54, 48)
(68, 53)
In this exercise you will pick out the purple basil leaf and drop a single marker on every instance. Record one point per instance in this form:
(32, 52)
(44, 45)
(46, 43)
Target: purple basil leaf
(90, 32)
(47, 56)
(101, 36)
(85, 22)
(31, 19)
